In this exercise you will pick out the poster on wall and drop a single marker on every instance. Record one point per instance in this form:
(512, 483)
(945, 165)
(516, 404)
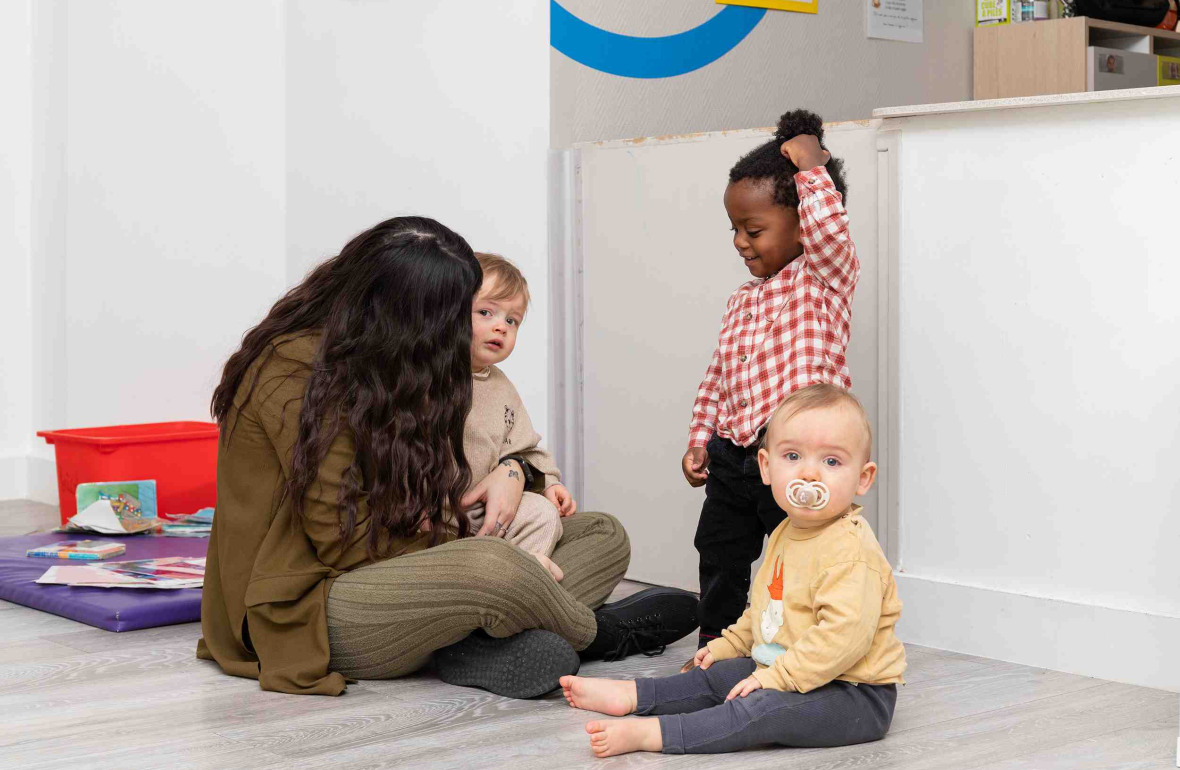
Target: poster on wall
(988, 12)
(798, 6)
(895, 20)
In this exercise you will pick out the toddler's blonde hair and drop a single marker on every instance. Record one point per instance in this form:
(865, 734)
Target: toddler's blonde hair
(510, 282)
(821, 395)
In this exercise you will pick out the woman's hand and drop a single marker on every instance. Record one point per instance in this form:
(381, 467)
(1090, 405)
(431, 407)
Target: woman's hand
(562, 500)
(744, 688)
(500, 492)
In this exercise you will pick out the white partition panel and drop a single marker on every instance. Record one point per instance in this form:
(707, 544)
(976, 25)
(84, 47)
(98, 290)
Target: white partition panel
(658, 263)
(1039, 400)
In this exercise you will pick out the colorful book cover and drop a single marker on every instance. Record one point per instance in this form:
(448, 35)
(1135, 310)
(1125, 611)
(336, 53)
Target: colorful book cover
(85, 576)
(99, 517)
(199, 524)
(205, 515)
(78, 549)
(128, 499)
(158, 570)
(167, 573)
(186, 530)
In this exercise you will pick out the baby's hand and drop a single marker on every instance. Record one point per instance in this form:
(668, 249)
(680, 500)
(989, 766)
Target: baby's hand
(562, 500)
(744, 688)
(695, 461)
(804, 151)
(703, 658)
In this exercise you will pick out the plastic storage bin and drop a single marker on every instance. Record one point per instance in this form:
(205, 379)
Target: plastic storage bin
(180, 456)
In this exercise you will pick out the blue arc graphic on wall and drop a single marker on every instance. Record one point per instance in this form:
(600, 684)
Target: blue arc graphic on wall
(650, 57)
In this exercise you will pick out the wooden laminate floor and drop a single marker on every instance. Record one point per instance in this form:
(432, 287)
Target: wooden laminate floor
(74, 696)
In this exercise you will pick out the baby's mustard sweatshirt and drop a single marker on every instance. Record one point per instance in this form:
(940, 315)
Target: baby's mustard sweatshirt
(823, 607)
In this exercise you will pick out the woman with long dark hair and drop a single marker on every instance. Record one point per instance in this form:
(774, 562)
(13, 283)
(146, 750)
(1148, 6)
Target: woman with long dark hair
(334, 552)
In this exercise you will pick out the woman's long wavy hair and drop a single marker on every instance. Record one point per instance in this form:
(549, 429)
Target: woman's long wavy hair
(394, 365)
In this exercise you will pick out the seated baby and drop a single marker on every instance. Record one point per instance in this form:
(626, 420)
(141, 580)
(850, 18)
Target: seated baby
(814, 660)
(498, 429)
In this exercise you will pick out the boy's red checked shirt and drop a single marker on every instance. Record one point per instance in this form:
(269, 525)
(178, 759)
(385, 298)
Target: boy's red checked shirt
(787, 331)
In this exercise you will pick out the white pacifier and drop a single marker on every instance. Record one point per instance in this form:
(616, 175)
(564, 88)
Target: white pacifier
(808, 494)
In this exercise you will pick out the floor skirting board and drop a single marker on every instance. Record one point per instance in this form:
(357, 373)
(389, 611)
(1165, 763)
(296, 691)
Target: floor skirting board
(28, 477)
(42, 480)
(1121, 645)
(14, 477)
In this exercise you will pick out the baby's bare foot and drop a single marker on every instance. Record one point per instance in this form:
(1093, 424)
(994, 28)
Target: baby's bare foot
(622, 736)
(548, 564)
(613, 697)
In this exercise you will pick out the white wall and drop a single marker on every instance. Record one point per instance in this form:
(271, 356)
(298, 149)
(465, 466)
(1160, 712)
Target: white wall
(156, 215)
(48, 218)
(174, 185)
(439, 109)
(173, 173)
(823, 62)
(15, 232)
(1038, 386)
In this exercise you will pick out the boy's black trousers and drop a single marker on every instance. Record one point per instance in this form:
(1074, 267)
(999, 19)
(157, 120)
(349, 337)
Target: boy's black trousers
(739, 511)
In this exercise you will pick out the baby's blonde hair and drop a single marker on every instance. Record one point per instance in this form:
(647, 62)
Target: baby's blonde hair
(821, 395)
(509, 280)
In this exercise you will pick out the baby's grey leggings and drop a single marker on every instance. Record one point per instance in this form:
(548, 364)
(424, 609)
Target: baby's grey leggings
(695, 718)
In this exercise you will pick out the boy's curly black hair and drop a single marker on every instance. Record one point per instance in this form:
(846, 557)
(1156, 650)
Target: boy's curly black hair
(767, 161)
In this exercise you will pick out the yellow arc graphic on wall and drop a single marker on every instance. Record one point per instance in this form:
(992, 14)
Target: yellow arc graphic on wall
(798, 6)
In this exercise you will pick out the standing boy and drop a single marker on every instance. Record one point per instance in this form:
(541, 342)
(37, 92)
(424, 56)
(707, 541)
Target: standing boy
(786, 329)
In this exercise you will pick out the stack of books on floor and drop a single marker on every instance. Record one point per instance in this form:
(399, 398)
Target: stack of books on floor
(171, 572)
(199, 524)
(87, 550)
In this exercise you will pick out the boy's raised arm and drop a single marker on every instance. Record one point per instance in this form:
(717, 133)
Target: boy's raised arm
(823, 221)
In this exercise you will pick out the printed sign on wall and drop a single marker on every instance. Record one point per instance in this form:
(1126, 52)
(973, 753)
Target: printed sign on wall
(798, 6)
(895, 20)
(989, 12)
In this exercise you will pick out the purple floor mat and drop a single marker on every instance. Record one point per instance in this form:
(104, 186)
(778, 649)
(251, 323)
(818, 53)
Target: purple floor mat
(113, 609)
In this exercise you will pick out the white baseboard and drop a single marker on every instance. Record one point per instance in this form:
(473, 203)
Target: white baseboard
(42, 474)
(28, 477)
(13, 477)
(1103, 642)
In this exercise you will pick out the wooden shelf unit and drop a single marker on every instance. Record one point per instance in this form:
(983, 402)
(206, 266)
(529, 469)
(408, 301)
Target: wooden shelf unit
(1049, 57)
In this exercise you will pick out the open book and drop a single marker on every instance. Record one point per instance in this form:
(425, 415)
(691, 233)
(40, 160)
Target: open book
(170, 572)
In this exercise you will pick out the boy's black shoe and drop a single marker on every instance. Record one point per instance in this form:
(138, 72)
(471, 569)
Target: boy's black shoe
(526, 665)
(645, 622)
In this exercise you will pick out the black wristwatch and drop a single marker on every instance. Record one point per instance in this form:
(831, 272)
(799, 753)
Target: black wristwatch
(524, 467)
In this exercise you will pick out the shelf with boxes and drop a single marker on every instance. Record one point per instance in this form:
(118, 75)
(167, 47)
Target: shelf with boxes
(1063, 56)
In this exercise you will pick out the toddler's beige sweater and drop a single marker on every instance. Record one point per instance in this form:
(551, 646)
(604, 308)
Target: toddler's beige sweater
(499, 425)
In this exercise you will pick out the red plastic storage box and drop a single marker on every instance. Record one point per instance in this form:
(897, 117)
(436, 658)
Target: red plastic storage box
(180, 456)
